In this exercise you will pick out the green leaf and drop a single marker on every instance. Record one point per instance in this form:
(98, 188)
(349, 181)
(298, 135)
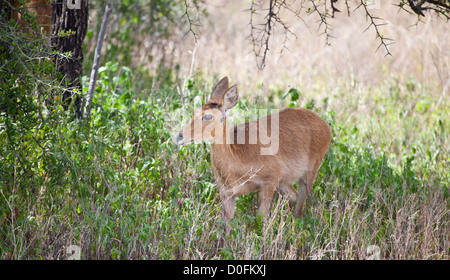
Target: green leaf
(259, 219)
(293, 92)
(124, 98)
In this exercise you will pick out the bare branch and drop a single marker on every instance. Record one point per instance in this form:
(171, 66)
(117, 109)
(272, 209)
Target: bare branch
(325, 10)
(95, 66)
(323, 20)
(384, 41)
(260, 33)
(268, 29)
(190, 21)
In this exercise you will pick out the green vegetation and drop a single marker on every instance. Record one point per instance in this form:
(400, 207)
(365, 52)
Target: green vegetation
(116, 186)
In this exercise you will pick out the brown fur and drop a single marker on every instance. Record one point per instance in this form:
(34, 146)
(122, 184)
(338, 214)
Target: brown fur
(240, 168)
(41, 8)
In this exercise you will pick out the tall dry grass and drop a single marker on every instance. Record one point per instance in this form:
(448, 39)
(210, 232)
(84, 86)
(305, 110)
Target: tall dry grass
(223, 48)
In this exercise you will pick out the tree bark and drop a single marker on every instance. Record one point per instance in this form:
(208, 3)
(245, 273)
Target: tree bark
(67, 18)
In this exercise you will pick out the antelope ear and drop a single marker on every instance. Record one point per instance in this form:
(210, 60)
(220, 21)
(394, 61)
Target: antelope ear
(218, 91)
(230, 98)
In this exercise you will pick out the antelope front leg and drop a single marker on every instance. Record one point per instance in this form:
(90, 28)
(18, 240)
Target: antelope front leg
(289, 192)
(228, 203)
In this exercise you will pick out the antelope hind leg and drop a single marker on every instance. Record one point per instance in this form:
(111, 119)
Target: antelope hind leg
(301, 198)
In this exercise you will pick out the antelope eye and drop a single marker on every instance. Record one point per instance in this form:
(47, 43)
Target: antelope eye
(206, 117)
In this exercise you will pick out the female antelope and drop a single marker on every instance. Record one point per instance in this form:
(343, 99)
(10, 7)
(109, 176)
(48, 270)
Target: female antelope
(295, 144)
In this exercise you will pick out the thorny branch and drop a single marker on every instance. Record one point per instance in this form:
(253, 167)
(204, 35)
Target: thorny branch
(325, 10)
(268, 28)
(323, 15)
(441, 7)
(191, 21)
(261, 32)
(383, 40)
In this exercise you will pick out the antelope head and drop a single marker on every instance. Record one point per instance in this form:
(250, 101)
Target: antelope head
(208, 122)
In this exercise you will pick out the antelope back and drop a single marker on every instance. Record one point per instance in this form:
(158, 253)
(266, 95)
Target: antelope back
(277, 149)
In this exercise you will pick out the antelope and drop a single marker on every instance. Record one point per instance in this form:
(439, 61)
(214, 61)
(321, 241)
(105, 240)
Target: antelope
(299, 140)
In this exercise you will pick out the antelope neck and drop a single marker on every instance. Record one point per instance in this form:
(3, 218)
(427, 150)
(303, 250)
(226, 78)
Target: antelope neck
(225, 146)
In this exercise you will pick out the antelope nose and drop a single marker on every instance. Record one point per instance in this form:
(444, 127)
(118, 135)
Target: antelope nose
(179, 137)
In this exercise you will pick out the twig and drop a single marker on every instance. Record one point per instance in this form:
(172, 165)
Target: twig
(323, 20)
(261, 33)
(95, 66)
(383, 40)
(190, 21)
(268, 32)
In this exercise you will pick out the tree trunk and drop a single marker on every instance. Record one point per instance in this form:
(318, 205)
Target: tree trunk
(73, 19)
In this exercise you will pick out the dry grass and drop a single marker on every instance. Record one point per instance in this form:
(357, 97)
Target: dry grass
(223, 48)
